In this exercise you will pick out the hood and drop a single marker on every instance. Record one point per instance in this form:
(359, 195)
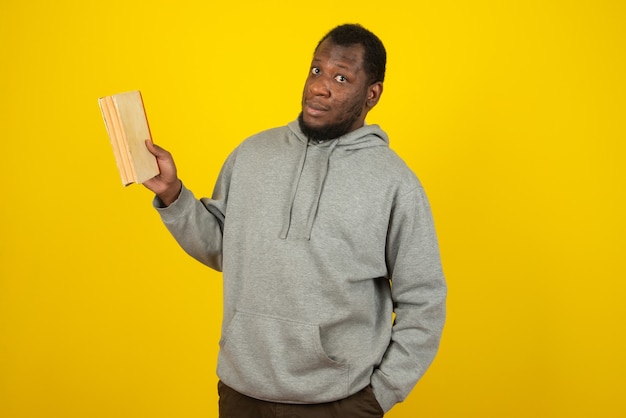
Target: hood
(366, 137)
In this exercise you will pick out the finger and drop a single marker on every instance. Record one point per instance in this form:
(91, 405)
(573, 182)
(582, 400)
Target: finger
(156, 150)
(151, 147)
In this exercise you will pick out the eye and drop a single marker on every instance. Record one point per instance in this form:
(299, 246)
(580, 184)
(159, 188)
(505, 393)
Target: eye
(315, 71)
(341, 78)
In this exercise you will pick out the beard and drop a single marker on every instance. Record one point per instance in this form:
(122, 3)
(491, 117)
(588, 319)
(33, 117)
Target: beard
(326, 133)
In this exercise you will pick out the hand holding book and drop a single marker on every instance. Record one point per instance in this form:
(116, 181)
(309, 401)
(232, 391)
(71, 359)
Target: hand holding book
(166, 185)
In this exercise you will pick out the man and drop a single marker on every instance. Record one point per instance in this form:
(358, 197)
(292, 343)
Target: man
(322, 234)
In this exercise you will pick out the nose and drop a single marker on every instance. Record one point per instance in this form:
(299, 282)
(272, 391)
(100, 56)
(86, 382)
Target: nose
(318, 86)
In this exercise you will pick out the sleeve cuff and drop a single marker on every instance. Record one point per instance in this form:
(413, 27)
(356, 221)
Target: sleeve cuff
(383, 393)
(177, 208)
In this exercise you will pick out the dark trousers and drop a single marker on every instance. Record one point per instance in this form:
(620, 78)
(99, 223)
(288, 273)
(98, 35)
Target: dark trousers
(233, 404)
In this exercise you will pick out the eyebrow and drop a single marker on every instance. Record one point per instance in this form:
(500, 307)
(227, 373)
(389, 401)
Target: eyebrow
(340, 65)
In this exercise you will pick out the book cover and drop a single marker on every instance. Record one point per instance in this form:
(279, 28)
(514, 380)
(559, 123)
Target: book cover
(127, 126)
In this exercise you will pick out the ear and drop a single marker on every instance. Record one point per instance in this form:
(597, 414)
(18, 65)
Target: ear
(374, 91)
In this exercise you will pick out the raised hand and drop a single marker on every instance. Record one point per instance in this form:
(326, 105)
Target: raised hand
(166, 185)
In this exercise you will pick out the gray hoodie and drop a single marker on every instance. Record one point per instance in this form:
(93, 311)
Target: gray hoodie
(320, 245)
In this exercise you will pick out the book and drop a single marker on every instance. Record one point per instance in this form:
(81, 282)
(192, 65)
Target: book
(126, 123)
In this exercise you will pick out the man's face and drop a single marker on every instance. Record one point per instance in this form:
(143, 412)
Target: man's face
(336, 94)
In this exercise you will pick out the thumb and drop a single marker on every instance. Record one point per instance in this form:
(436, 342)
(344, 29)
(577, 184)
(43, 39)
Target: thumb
(154, 149)
(164, 158)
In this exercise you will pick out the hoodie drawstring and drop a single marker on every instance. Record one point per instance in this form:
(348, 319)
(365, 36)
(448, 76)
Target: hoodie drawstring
(294, 190)
(316, 202)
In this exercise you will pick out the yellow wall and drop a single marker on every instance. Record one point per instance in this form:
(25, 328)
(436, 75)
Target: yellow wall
(512, 113)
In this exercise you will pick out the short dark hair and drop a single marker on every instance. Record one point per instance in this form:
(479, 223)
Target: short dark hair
(374, 57)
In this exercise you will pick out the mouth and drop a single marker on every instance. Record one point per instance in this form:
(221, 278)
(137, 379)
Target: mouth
(314, 108)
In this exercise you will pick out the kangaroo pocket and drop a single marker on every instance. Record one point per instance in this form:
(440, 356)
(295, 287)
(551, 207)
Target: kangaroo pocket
(279, 360)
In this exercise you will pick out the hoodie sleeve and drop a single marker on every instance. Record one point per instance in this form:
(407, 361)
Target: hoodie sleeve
(419, 294)
(197, 225)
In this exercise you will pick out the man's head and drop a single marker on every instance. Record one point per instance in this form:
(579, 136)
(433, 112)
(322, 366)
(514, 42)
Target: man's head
(345, 82)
